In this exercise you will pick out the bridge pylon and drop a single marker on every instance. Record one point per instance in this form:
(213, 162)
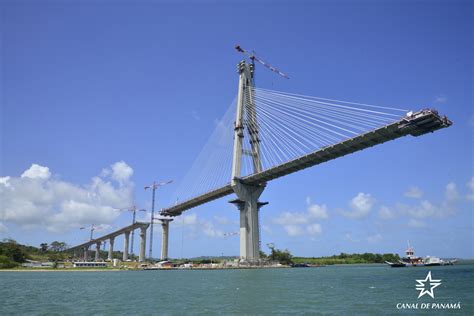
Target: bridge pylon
(248, 195)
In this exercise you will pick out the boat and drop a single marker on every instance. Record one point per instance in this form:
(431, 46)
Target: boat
(410, 260)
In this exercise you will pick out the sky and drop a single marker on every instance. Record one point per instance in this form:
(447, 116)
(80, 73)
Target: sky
(99, 99)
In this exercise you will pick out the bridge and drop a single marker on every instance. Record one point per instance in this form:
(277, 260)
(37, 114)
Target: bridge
(325, 125)
(276, 134)
(84, 247)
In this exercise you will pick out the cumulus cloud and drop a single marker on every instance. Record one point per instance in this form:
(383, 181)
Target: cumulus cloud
(318, 211)
(3, 228)
(360, 205)
(451, 192)
(291, 218)
(293, 230)
(4, 181)
(440, 99)
(37, 172)
(374, 238)
(197, 226)
(37, 199)
(385, 213)
(221, 220)
(414, 193)
(121, 172)
(314, 229)
(427, 209)
(416, 223)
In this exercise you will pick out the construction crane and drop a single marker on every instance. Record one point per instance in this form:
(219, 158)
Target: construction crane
(153, 187)
(134, 210)
(254, 58)
(231, 234)
(93, 227)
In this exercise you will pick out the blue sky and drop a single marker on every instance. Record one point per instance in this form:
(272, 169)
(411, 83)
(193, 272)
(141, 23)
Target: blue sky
(105, 98)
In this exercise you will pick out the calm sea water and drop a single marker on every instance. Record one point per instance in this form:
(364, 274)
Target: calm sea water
(332, 290)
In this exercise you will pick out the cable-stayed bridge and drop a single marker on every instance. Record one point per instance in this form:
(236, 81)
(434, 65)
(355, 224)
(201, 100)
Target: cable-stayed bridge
(275, 134)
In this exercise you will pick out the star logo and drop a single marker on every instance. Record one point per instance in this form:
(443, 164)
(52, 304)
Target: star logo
(428, 282)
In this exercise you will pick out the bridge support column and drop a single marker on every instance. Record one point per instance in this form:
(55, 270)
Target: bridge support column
(125, 246)
(165, 224)
(86, 254)
(97, 251)
(141, 257)
(249, 206)
(111, 248)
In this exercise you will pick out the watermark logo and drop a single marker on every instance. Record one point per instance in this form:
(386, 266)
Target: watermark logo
(427, 285)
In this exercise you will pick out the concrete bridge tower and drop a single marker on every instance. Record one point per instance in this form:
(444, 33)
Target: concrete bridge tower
(248, 195)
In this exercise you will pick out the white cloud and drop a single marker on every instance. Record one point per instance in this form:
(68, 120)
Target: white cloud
(374, 238)
(440, 99)
(470, 186)
(349, 237)
(318, 211)
(3, 228)
(314, 229)
(293, 230)
(415, 223)
(385, 213)
(451, 192)
(414, 192)
(37, 172)
(422, 210)
(121, 172)
(210, 231)
(361, 205)
(4, 181)
(37, 200)
(221, 220)
(290, 218)
(186, 220)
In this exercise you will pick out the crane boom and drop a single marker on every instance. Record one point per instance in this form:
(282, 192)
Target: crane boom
(254, 57)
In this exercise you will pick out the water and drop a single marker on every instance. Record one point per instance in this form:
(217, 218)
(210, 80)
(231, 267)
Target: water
(332, 290)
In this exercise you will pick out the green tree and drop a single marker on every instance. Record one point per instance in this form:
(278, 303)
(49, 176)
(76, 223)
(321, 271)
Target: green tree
(44, 247)
(12, 251)
(282, 256)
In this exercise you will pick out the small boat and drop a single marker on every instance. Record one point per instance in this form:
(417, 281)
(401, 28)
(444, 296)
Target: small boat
(410, 260)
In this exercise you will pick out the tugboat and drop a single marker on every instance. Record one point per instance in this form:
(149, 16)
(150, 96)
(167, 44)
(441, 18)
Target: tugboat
(410, 260)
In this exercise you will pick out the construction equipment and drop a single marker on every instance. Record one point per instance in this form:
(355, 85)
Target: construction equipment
(134, 210)
(92, 230)
(254, 58)
(153, 187)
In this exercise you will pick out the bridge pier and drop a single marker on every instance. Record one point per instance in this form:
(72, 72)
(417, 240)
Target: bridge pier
(97, 251)
(111, 248)
(249, 206)
(125, 246)
(141, 257)
(86, 250)
(165, 224)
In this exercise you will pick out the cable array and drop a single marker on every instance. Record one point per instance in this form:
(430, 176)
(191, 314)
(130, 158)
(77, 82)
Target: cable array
(278, 127)
(212, 167)
(293, 125)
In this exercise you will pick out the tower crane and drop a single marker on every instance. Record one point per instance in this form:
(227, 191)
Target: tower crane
(134, 210)
(253, 57)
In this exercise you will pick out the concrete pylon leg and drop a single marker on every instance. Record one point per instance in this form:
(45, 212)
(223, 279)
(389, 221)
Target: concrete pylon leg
(141, 257)
(86, 249)
(165, 224)
(248, 206)
(97, 251)
(125, 246)
(111, 249)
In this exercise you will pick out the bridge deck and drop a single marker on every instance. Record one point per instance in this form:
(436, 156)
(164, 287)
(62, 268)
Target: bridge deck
(417, 124)
(111, 235)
